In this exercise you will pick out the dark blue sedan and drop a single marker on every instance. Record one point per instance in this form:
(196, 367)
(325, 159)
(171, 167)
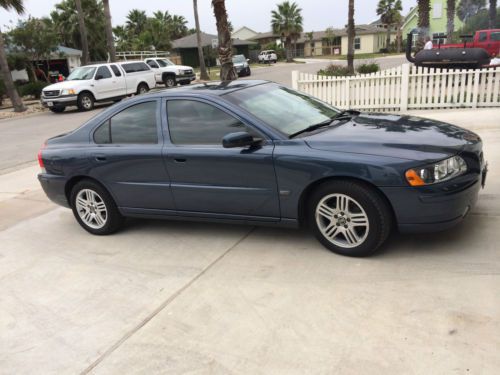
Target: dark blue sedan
(255, 152)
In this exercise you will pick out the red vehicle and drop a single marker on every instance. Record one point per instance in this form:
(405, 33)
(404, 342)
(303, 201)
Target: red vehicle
(486, 39)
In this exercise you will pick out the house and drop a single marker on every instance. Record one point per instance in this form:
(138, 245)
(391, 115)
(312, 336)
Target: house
(438, 21)
(244, 33)
(266, 38)
(187, 48)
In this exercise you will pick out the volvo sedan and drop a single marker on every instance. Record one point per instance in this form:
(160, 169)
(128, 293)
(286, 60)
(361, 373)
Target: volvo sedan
(258, 153)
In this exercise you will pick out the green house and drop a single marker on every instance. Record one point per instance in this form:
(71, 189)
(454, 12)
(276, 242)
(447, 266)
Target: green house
(438, 21)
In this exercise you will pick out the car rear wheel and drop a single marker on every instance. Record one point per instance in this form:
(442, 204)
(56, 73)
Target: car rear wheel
(58, 109)
(349, 218)
(85, 101)
(94, 208)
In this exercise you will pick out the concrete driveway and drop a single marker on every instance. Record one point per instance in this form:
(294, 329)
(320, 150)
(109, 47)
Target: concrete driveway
(173, 297)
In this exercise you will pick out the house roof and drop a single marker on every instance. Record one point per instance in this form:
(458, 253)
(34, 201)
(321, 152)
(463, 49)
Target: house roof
(245, 28)
(69, 51)
(206, 40)
(265, 35)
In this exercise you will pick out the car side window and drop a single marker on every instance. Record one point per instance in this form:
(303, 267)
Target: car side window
(483, 37)
(195, 123)
(104, 72)
(152, 64)
(116, 70)
(134, 125)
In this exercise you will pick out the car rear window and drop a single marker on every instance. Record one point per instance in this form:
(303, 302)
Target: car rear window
(133, 67)
(116, 70)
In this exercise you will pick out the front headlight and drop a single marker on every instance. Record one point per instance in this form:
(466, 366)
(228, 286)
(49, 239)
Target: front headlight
(438, 172)
(68, 92)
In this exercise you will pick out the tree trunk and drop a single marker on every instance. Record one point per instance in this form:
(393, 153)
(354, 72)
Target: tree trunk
(16, 100)
(399, 37)
(227, 71)
(423, 21)
(350, 37)
(493, 14)
(288, 47)
(388, 38)
(109, 32)
(203, 70)
(450, 25)
(83, 33)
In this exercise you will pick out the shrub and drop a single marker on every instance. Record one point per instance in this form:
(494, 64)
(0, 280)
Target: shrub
(368, 68)
(33, 89)
(334, 71)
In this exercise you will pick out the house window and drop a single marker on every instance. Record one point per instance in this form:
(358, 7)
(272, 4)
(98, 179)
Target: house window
(415, 40)
(437, 10)
(357, 43)
(435, 38)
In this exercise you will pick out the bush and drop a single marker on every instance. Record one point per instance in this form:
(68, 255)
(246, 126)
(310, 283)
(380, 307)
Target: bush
(33, 89)
(368, 68)
(334, 71)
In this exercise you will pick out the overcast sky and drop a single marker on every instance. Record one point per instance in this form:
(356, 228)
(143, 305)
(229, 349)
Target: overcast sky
(256, 14)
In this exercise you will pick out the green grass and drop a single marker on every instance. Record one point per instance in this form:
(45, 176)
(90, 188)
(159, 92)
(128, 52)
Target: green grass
(358, 56)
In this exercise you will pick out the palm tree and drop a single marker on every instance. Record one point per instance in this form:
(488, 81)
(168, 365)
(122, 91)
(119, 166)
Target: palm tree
(136, 21)
(287, 22)
(424, 9)
(227, 71)
(109, 31)
(389, 12)
(177, 26)
(16, 100)
(203, 70)
(310, 38)
(351, 34)
(83, 32)
(450, 15)
(493, 14)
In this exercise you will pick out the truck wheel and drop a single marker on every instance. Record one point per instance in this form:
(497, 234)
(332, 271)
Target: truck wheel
(349, 218)
(142, 88)
(169, 81)
(57, 109)
(85, 101)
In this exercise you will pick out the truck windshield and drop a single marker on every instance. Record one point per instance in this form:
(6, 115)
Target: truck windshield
(82, 73)
(164, 62)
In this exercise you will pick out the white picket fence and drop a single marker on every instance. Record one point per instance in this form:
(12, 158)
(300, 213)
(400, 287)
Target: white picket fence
(405, 87)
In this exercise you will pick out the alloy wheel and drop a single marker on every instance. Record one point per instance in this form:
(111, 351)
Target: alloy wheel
(91, 209)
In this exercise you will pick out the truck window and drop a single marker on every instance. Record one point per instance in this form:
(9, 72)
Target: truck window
(152, 64)
(483, 36)
(104, 72)
(495, 36)
(116, 70)
(135, 67)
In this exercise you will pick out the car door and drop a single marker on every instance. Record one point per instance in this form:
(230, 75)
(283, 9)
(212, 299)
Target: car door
(155, 68)
(119, 84)
(207, 179)
(126, 156)
(482, 40)
(103, 83)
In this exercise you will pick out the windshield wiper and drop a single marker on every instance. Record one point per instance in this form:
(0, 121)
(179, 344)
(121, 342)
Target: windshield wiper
(347, 113)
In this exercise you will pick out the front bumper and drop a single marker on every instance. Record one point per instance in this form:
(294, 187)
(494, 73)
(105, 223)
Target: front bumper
(59, 101)
(54, 186)
(433, 208)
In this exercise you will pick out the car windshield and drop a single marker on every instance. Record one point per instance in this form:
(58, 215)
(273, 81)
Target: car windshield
(286, 110)
(164, 62)
(82, 73)
(239, 59)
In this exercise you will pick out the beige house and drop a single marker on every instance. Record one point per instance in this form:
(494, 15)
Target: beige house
(369, 39)
(244, 33)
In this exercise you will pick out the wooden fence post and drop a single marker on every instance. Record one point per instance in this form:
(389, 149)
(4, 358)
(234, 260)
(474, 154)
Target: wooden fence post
(475, 90)
(347, 93)
(295, 79)
(405, 80)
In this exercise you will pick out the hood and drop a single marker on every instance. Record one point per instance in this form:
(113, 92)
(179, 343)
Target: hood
(62, 85)
(183, 67)
(404, 137)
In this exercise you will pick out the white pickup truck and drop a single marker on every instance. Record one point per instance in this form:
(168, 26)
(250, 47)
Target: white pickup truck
(98, 83)
(168, 73)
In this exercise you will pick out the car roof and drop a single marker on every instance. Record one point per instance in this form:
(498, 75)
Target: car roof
(218, 88)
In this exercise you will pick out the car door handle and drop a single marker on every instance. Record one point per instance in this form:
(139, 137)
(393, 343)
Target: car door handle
(180, 160)
(100, 158)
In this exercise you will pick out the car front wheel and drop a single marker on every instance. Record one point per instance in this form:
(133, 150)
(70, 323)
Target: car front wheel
(94, 208)
(169, 81)
(349, 218)
(85, 101)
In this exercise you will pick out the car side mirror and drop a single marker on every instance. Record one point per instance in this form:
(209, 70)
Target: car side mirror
(98, 77)
(239, 139)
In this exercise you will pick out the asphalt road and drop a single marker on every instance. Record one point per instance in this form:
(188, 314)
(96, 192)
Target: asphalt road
(21, 138)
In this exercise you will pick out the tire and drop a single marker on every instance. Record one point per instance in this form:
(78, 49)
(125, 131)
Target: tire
(57, 109)
(104, 222)
(142, 88)
(169, 81)
(349, 218)
(85, 101)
